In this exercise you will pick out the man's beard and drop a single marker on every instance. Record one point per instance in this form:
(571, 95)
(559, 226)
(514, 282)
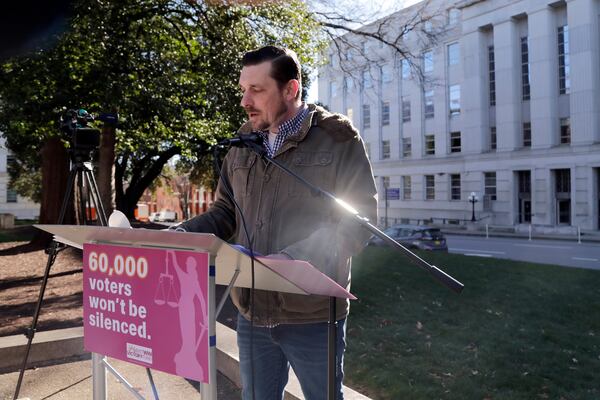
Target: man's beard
(262, 125)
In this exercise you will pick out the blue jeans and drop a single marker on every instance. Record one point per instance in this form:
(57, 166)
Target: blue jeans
(303, 346)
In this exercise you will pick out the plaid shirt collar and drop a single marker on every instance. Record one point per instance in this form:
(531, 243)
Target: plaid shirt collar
(286, 129)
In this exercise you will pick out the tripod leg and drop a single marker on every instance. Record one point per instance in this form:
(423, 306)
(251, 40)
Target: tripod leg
(96, 192)
(82, 207)
(31, 331)
(94, 197)
(52, 252)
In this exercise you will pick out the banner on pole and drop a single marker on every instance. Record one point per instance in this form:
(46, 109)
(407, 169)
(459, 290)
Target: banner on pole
(148, 306)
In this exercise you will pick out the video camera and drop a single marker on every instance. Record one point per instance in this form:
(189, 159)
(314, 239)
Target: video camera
(83, 138)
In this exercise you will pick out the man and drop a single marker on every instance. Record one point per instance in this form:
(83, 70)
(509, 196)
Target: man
(286, 220)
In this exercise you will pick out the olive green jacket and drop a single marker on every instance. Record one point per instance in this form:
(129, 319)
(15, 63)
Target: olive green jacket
(284, 216)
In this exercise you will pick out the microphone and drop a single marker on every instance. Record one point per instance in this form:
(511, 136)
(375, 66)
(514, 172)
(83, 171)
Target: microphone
(242, 140)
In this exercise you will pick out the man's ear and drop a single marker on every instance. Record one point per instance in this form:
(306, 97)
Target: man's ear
(291, 89)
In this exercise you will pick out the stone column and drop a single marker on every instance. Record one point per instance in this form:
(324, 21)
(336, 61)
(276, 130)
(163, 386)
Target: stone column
(474, 99)
(508, 78)
(584, 37)
(543, 66)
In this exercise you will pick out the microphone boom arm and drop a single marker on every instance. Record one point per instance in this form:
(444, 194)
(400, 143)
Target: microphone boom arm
(437, 273)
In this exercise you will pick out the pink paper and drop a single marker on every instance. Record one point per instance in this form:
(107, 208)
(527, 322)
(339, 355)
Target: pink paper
(306, 277)
(148, 307)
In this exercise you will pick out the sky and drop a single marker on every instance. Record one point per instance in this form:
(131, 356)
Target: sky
(372, 9)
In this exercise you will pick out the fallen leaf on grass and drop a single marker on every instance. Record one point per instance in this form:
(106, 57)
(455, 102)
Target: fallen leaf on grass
(419, 325)
(385, 322)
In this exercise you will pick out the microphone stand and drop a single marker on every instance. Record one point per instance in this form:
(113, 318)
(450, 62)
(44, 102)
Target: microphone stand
(453, 284)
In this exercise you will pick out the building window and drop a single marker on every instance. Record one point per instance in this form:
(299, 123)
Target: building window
(429, 110)
(527, 134)
(366, 116)
(564, 62)
(490, 185)
(428, 61)
(455, 142)
(429, 144)
(565, 130)
(454, 100)
(366, 79)
(332, 90)
(349, 83)
(406, 188)
(453, 16)
(428, 26)
(385, 149)
(453, 54)
(11, 195)
(454, 186)
(406, 147)
(493, 138)
(385, 113)
(386, 74)
(405, 109)
(492, 75)
(563, 195)
(405, 65)
(429, 187)
(525, 68)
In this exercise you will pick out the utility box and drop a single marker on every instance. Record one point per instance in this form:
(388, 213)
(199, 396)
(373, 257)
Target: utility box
(7, 221)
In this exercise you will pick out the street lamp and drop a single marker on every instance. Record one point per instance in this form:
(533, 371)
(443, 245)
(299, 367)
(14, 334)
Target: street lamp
(473, 199)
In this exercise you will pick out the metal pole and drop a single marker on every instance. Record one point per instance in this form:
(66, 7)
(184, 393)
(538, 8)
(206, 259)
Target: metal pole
(98, 377)
(332, 355)
(529, 232)
(208, 391)
(579, 234)
(487, 232)
(386, 205)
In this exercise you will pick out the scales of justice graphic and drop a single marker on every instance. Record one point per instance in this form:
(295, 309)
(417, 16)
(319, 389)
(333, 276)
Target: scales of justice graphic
(185, 301)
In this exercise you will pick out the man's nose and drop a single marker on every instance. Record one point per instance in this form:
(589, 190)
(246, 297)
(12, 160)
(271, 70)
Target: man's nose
(246, 100)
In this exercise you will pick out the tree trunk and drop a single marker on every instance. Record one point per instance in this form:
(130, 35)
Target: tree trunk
(55, 173)
(106, 164)
(126, 199)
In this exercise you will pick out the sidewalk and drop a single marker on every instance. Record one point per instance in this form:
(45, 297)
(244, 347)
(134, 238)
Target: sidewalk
(73, 380)
(593, 237)
(70, 376)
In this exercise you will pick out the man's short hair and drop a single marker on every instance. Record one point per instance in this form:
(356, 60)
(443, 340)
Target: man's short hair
(284, 64)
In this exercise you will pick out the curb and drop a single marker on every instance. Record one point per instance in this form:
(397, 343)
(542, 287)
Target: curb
(47, 348)
(66, 345)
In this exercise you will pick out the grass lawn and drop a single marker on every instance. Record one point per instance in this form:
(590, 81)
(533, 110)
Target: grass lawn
(518, 330)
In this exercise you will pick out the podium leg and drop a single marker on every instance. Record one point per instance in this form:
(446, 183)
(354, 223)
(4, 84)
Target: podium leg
(98, 377)
(208, 391)
(332, 348)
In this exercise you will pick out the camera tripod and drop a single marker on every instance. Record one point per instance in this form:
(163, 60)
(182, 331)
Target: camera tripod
(81, 173)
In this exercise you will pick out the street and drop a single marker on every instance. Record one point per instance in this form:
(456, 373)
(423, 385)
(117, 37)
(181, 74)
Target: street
(558, 252)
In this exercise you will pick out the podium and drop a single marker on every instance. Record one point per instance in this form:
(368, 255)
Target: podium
(141, 285)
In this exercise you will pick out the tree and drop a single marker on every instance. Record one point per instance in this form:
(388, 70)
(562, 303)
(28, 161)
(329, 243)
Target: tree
(169, 68)
(394, 28)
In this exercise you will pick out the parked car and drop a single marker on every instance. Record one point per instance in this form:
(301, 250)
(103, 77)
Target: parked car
(414, 237)
(163, 216)
(154, 217)
(166, 216)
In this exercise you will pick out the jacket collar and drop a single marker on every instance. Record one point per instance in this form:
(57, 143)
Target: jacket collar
(310, 120)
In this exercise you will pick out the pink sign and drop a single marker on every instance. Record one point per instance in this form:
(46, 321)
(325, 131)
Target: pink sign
(148, 307)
